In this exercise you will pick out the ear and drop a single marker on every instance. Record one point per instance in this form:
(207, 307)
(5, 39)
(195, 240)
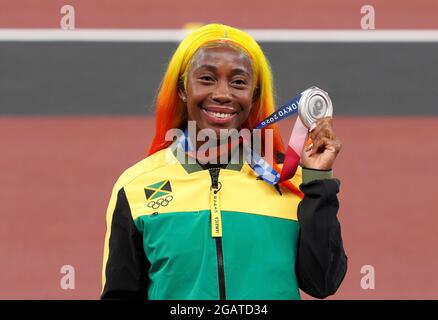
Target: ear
(181, 90)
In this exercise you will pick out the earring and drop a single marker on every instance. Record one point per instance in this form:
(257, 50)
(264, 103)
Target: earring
(183, 99)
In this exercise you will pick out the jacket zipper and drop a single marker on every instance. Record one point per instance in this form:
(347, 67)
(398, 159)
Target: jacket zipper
(216, 227)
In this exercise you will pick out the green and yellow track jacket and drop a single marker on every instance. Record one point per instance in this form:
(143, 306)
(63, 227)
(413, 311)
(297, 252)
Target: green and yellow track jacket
(178, 231)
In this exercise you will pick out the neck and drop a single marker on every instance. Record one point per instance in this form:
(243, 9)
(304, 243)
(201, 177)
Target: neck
(214, 151)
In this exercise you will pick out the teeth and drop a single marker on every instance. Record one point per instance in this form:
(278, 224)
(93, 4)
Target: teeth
(220, 114)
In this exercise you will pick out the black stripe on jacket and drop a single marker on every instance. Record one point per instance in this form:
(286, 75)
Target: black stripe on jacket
(126, 270)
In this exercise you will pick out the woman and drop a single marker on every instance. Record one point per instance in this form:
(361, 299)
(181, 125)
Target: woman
(179, 229)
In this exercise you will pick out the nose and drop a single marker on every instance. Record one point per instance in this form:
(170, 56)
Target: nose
(221, 93)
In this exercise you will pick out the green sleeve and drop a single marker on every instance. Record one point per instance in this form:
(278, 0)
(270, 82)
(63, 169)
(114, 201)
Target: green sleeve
(315, 174)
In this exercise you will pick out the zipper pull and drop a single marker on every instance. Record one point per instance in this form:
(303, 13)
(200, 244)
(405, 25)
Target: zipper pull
(216, 219)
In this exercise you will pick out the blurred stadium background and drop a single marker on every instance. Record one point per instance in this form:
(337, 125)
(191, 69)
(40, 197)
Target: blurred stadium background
(75, 113)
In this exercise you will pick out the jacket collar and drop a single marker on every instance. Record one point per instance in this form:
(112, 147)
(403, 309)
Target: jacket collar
(190, 164)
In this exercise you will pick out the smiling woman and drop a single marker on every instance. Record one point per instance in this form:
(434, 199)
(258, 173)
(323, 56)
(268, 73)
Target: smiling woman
(181, 229)
(220, 88)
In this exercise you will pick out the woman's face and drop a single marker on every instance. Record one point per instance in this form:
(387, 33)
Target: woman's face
(220, 88)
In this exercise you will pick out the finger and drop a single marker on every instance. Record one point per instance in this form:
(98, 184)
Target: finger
(337, 144)
(334, 145)
(323, 128)
(322, 132)
(317, 144)
(309, 144)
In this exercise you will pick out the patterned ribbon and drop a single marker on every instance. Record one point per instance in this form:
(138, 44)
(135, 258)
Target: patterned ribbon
(296, 140)
(260, 166)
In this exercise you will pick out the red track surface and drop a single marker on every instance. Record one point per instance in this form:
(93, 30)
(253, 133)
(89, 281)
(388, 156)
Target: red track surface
(57, 175)
(311, 14)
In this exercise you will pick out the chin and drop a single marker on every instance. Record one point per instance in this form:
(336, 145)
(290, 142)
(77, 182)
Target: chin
(218, 129)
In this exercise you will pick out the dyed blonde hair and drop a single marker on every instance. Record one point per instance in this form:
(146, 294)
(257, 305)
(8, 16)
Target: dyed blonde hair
(171, 111)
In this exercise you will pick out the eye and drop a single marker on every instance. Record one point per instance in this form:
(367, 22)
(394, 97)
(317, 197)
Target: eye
(239, 83)
(206, 78)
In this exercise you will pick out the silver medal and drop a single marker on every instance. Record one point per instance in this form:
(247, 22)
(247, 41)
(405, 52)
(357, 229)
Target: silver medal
(314, 104)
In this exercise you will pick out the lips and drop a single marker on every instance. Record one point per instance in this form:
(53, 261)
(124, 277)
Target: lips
(219, 114)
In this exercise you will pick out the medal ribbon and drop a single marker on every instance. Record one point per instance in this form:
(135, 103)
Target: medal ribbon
(296, 141)
(260, 166)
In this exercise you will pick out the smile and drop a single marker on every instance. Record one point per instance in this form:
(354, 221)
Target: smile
(218, 116)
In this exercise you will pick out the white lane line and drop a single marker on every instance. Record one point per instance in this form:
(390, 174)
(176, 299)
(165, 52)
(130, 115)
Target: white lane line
(175, 35)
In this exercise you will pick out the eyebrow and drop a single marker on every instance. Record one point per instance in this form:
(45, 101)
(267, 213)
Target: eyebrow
(213, 68)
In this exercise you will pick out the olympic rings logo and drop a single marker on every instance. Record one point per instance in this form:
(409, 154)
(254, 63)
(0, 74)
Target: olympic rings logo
(162, 202)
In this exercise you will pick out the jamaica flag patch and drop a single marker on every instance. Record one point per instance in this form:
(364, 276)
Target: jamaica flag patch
(158, 189)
